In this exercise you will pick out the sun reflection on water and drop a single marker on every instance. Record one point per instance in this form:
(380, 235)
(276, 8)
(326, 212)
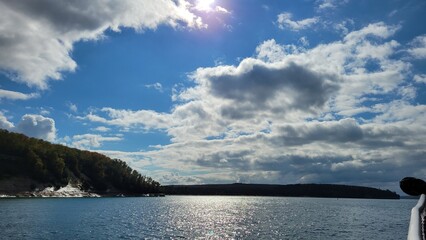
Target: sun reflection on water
(213, 217)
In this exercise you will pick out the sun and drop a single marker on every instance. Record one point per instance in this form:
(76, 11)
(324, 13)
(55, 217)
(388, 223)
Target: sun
(204, 5)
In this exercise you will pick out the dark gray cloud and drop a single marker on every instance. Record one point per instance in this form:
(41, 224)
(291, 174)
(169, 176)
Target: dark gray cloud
(227, 159)
(37, 36)
(66, 16)
(358, 154)
(258, 86)
(346, 130)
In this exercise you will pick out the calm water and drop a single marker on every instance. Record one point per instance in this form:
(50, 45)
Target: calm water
(188, 217)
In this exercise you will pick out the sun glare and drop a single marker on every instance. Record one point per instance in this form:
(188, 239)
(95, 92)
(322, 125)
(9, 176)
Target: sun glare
(204, 5)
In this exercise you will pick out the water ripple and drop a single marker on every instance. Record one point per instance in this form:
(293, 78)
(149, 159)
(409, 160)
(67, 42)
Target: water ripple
(186, 217)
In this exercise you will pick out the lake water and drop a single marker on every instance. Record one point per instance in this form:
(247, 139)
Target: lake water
(202, 217)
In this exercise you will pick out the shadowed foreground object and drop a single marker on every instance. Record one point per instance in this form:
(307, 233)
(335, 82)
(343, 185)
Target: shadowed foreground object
(416, 187)
(413, 186)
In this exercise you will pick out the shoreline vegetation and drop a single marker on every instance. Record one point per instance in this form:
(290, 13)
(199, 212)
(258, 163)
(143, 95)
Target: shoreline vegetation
(33, 167)
(291, 190)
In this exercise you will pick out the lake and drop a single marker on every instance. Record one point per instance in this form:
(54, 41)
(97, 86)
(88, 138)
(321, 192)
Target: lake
(204, 217)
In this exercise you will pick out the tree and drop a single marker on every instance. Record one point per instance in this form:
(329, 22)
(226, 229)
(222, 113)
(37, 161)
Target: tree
(56, 164)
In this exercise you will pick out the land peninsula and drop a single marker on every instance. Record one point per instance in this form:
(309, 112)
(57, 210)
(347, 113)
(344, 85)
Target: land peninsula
(292, 190)
(34, 167)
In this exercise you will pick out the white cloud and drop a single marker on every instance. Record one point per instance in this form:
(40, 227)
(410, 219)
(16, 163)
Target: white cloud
(4, 123)
(270, 51)
(87, 141)
(126, 118)
(221, 9)
(12, 95)
(330, 4)
(380, 30)
(209, 6)
(304, 41)
(393, 13)
(418, 47)
(157, 86)
(44, 111)
(31, 125)
(401, 111)
(37, 126)
(102, 129)
(338, 151)
(37, 36)
(343, 26)
(420, 78)
(291, 114)
(285, 22)
(72, 107)
(282, 83)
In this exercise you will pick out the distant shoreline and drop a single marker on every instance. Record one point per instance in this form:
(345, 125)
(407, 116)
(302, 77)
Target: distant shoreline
(291, 190)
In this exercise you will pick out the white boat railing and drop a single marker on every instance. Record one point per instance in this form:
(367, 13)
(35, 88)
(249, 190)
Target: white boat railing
(415, 230)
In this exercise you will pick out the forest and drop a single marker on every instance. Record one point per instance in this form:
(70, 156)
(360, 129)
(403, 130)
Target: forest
(57, 165)
(292, 190)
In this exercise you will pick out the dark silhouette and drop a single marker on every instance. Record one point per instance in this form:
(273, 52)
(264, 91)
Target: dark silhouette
(294, 190)
(413, 186)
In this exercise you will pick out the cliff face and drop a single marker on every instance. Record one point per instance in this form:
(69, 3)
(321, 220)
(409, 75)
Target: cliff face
(27, 187)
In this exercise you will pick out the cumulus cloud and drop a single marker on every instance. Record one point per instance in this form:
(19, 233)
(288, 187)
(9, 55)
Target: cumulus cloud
(12, 95)
(285, 21)
(31, 125)
(342, 131)
(4, 123)
(292, 114)
(420, 78)
(270, 51)
(256, 86)
(37, 126)
(37, 37)
(86, 141)
(418, 47)
(101, 129)
(281, 83)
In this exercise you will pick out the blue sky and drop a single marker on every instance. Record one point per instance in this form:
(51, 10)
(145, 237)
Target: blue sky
(222, 91)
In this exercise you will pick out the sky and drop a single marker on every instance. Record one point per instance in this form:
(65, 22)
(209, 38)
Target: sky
(224, 91)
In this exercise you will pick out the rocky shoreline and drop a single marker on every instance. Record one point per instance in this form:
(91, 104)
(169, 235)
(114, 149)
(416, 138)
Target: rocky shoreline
(21, 187)
(27, 187)
(68, 191)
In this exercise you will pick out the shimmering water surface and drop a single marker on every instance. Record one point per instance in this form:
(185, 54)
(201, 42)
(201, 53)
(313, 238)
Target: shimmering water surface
(195, 217)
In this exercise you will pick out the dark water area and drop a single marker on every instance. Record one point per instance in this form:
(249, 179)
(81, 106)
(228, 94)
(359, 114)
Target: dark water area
(204, 217)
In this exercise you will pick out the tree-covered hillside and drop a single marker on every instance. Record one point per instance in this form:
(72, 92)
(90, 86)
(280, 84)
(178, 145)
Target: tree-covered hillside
(293, 190)
(57, 165)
